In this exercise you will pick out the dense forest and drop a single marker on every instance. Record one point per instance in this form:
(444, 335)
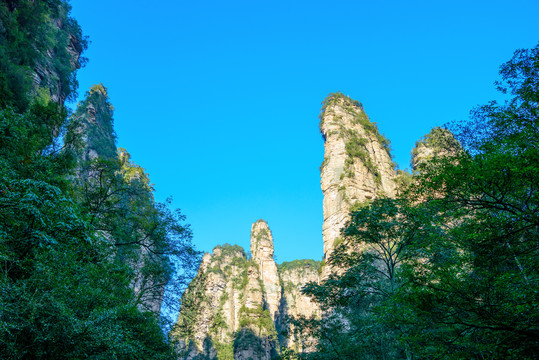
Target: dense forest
(85, 251)
(447, 269)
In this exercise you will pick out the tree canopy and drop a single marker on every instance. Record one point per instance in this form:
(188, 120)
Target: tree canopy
(448, 269)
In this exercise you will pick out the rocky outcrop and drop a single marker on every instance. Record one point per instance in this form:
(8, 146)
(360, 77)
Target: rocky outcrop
(92, 124)
(357, 164)
(41, 50)
(438, 143)
(262, 252)
(48, 74)
(119, 195)
(223, 311)
(244, 307)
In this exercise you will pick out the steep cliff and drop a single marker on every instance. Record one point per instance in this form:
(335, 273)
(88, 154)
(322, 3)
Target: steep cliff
(239, 307)
(93, 122)
(41, 50)
(357, 163)
(119, 197)
(294, 276)
(262, 253)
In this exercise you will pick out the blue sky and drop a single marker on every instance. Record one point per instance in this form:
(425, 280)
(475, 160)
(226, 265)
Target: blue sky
(219, 100)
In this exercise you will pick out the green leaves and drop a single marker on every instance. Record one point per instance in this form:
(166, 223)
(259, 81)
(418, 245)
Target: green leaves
(449, 269)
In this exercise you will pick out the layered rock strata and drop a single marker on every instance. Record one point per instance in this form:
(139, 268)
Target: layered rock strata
(357, 164)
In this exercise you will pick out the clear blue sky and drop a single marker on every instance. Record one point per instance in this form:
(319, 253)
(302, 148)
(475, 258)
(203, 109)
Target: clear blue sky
(219, 100)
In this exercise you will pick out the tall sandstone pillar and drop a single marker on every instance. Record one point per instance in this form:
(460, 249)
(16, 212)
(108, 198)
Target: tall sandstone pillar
(357, 164)
(262, 252)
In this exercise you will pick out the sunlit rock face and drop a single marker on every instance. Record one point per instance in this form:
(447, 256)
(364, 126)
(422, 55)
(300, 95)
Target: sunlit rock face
(237, 306)
(262, 252)
(244, 307)
(230, 306)
(357, 164)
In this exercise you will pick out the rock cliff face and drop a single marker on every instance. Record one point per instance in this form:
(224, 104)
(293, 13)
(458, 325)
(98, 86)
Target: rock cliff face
(41, 50)
(262, 252)
(47, 73)
(237, 307)
(294, 305)
(117, 186)
(223, 310)
(357, 163)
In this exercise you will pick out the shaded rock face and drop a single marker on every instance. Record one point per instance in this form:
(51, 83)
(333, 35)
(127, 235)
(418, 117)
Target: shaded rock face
(294, 305)
(46, 74)
(126, 188)
(93, 121)
(41, 51)
(357, 164)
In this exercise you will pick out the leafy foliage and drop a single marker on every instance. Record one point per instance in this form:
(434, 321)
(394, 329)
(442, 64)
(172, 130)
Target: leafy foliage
(449, 269)
(84, 249)
(299, 264)
(36, 38)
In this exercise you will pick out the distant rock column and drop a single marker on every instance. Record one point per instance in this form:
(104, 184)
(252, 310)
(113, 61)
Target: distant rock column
(357, 164)
(437, 144)
(262, 252)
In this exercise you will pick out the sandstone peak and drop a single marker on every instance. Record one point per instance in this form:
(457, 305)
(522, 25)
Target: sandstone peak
(357, 163)
(262, 252)
(261, 241)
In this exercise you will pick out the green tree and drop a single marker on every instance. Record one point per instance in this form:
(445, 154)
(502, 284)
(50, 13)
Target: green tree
(359, 294)
(477, 282)
(78, 265)
(450, 268)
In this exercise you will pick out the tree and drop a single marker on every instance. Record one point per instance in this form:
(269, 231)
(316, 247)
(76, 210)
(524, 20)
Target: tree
(478, 281)
(359, 294)
(68, 290)
(449, 269)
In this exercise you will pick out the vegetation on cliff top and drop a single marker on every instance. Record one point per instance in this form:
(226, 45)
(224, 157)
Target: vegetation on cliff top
(94, 118)
(299, 264)
(355, 143)
(438, 142)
